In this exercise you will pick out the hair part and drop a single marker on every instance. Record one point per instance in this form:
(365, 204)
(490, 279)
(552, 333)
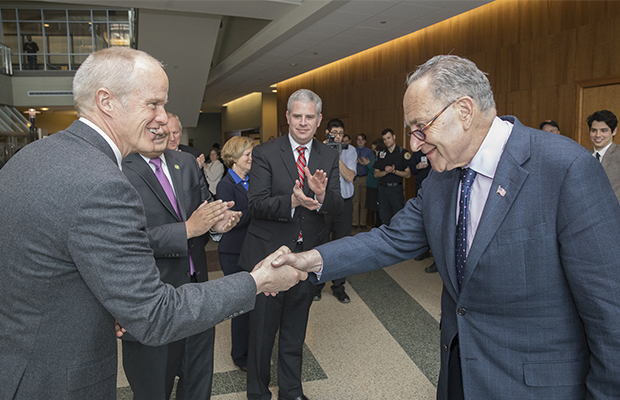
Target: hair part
(234, 148)
(118, 69)
(451, 77)
(605, 116)
(305, 96)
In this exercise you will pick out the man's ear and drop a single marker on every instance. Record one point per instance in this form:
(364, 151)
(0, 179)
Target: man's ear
(465, 111)
(104, 99)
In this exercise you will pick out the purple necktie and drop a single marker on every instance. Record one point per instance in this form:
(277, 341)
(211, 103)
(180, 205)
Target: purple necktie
(165, 184)
(467, 179)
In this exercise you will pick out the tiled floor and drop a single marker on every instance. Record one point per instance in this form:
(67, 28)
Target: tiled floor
(382, 345)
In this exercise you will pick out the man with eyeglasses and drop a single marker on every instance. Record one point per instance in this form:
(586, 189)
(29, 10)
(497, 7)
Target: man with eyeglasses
(524, 228)
(391, 167)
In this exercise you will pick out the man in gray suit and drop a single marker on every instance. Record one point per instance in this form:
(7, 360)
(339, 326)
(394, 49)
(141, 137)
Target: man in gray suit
(603, 127)
(524, 227)
(175, 197)
(75, 254)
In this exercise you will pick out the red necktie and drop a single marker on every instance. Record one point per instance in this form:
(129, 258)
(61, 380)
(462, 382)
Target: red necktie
(301, 164)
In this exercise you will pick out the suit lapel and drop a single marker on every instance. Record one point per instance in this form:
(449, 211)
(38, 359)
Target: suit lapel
(511, 177)
(607, 158)
(88, 134)
(288, 158)
(448, 227)
(314, 162)
(137, 163)
(174, 168)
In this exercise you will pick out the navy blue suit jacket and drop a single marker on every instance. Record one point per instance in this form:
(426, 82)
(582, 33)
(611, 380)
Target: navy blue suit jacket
(228, 190)
(538, 314)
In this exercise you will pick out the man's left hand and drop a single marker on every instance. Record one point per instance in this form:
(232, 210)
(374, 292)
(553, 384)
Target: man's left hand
(228, 220)
(317, 183)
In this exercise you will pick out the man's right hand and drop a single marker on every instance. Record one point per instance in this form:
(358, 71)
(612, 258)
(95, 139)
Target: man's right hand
(308, 261)
(298, 198)
(270, 280)
(205, 216)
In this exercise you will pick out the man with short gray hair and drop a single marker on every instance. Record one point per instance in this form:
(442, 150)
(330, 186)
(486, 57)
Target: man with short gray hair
(75, 255)
(524, 228)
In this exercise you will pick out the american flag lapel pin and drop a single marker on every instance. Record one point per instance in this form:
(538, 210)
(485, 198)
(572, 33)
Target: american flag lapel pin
(501, 191)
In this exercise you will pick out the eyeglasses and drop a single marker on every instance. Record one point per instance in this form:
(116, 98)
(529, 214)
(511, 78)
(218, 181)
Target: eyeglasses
(419, 133)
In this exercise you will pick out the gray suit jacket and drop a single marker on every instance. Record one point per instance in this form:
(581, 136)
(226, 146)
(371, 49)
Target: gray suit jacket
(611, 163)
(538, 314)
(74, 258)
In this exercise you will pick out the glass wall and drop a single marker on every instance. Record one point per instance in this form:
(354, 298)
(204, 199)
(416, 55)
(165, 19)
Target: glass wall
(61, 39)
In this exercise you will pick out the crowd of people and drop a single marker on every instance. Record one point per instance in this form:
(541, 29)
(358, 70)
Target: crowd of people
(522, 224)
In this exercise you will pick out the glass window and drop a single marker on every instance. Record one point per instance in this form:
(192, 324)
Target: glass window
(79, 15)
(119, 34)
(29, 15)
(55, 15)
(77, 60)
(118, 15)
(58, 62)
(101, 36)
(80, 38)
(100, 15)
(8, 14)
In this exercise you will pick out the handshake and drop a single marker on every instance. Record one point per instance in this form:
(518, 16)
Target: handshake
(282, 270)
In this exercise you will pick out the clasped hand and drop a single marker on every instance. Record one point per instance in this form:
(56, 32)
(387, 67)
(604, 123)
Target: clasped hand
(317, 183)
(270, 280)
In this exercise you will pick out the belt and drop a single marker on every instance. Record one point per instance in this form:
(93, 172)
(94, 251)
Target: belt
(362, 175)
(390, 184)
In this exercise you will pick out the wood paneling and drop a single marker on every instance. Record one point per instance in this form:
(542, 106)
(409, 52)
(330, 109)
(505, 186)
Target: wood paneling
(535, 52)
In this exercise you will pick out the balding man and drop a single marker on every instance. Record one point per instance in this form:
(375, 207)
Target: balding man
(524, 228)
(75, 254)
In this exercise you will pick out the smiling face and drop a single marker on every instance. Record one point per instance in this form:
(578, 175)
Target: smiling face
(601, 134)
(303, 121)
(447, 145)
(136, 125)
(160, 141)
(244, 163)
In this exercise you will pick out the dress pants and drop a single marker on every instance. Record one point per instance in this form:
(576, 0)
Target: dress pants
(339, 226)
(151, 370)
(240, 326)
(391, 201)
(455, 375)
(359, 201)
(287, 311)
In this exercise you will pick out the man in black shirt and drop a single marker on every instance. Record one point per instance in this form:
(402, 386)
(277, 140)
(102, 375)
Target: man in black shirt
(31, 49)
(391, 167)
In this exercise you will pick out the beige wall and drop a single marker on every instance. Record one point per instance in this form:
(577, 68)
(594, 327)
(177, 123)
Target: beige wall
(243, 113)
(6, 90)
(21, 86)
(270, 116)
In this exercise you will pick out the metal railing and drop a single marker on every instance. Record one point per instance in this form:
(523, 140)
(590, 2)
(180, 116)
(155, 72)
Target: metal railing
(6, 66)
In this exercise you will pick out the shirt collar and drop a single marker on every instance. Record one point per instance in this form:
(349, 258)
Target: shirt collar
(161, 157)
(295, 145)
(115, 149)
(601, 151)
(487, 158)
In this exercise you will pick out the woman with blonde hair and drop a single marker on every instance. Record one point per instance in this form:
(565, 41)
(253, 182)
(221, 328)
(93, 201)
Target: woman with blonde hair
(237, 155)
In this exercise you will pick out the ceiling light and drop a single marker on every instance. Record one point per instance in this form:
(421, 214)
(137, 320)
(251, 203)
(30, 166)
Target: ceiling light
(44, 109)
(275, 90)
(293, 64)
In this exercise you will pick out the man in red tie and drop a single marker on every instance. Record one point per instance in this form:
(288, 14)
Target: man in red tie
(293, 184)
(179, 213)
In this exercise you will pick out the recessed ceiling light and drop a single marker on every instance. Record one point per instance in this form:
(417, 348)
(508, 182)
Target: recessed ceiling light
(44, 109)
(383, 22)
(293, 64)
(275, 90)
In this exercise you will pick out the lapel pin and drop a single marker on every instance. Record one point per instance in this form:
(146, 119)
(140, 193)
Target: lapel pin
(176, 166)
(501, 191)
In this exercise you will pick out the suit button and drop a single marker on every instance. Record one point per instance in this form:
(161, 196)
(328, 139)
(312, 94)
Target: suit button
(461, 311)
(188, 273)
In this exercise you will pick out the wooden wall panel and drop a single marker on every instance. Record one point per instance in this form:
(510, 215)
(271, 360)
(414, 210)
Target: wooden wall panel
(533, 50)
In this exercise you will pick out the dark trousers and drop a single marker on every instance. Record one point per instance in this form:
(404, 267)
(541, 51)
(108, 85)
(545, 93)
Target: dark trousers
(391, 201)
(287, 311)
(339, 226)
(240, 326)
(151, 370)
(455, 378)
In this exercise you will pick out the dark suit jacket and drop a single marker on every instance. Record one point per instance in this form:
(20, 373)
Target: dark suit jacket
(611, 164)
(272, 179)
(228, 190)
(74, 258)
(538, 314)
(166, 231)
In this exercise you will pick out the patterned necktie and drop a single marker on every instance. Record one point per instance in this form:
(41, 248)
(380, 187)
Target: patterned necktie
(467, 179)
(598, 156)
(301, 164)
(165, 184)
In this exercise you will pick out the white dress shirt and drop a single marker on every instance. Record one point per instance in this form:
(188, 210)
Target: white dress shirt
(115, 149)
